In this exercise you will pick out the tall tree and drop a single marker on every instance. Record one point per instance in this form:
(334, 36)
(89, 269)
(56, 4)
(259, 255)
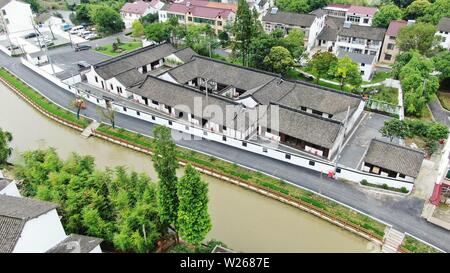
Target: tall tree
(320, 64)
(35, 5)
(157, 32)
(279, 60)
(386, 14)
(5, 150)
(82, 13)
(193, 218)
(417, 9)
(437, 10)
(394, 128)
(347, 72)
(107, 19)
(442, 64)
(294, 42)
(419, 36)
(138, 28)
(244, 30)
(108, 114)
(317, 4)
(78, 104)
(165, 163)
(301, 6)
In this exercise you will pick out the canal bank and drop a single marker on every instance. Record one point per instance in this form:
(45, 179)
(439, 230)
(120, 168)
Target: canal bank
(244, 220)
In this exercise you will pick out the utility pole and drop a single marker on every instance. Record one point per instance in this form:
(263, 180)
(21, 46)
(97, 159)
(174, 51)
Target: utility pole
(6, 31)
(51, 31)
(45, 45)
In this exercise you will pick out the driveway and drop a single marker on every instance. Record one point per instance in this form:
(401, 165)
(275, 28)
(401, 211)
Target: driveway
(358, 143)
(402, 213)
(439, 113)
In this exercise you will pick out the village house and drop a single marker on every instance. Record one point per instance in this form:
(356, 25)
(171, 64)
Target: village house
(196, 12)
(358, 15)
(117, 74)
(15, 16)
(443, 31)
(390, 49)
(392, 160)
(131, 12)
(310, 24)
(33, 226)
(365, 62)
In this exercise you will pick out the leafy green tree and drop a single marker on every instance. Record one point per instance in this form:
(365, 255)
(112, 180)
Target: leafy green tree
(320, 64)
(158, 32)
(193, 218)
(417, 9)
(400, 3)
(35, 5)
(279, 60)
(82, 13)
(294, 42)
(442, 64)
(138, 29)
(106, 19)
(402, 59)
(108, 114)
(347, 72)
(316, 4)
(78, 104)
(301, 6)
(149, 18)
(419, 36)
(224, 38)
(437, 10)
(394, 128)
(165, 163)
(5, 150)
(244, 30)
(386, 14)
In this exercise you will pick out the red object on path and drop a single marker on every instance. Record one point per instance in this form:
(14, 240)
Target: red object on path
(330, 174)
(435, 198)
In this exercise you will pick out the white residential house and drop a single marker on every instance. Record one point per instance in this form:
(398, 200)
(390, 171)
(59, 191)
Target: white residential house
(366, 63)
(131, 12)
(16, 16)
(33, 226)
(310, 24)
(443, 31)
(358, 15)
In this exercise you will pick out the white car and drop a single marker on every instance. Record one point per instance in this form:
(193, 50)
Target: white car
(84, 33)
(76, 30)
(90, 36)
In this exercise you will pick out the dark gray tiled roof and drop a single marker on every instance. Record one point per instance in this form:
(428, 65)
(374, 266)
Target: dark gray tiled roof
(290, 18)
(10, 230)
(357, 57)
(130, 77)
(262, 3)
(4, 2)
(14, 213)
(134, 59)
(308, 127)
(298, 94)
(331, 28)
(444, 24)
(4, 183)
(221, 72)
(394, 157)
(185, 54)
(364, 32)
(75, 243)
(177, 96)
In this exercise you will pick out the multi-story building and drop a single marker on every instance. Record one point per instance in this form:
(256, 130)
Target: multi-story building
(443, 31)
(131, 12)
(390, 49)
(310, 24)
(16, 16)
(359, 15)
(360, 39)
(366, 63)
(217, 15)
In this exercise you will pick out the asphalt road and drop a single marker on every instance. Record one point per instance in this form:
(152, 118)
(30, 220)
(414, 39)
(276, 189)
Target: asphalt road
(439, 114)
(402, 213)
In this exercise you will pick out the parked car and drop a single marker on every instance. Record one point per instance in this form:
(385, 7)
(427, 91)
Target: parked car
(31, 35)
(76, 30)
(82, 47)
(90, 36)
(83, 65)
(66, 26)
(13, 47)
(84, 33)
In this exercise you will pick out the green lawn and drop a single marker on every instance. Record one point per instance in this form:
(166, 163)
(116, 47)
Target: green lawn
(256, 178)
(42, 101)
(379, 77)
(124, 48)
(412, 245)
(444, 98)
(295, 75)
(386, 94)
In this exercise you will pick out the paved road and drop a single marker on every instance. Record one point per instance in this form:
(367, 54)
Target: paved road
(402, 213)
(439, 113)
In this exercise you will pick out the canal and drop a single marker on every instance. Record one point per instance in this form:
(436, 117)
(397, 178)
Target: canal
(244, 220)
